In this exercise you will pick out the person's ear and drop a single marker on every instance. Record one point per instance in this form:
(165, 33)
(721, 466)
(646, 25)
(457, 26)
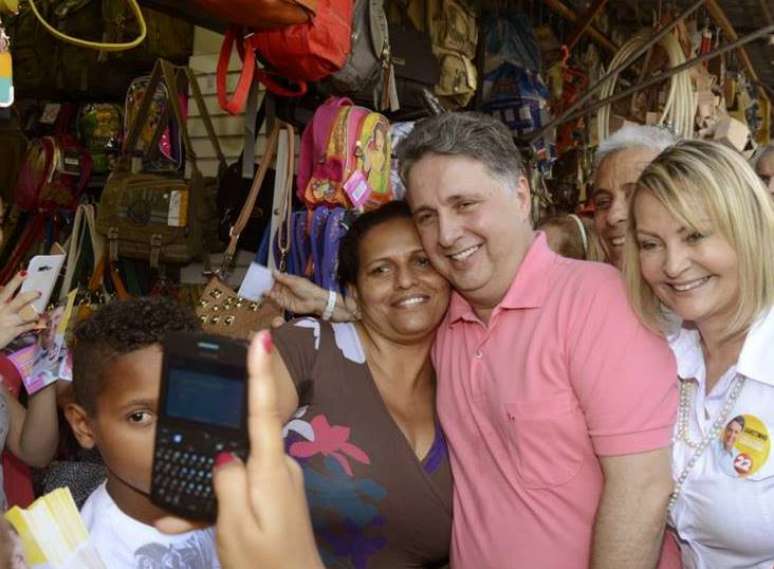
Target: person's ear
(523, 197)
(80, 424)
(352, 301)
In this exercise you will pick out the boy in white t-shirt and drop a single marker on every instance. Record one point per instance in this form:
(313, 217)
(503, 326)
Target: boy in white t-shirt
(117, 375)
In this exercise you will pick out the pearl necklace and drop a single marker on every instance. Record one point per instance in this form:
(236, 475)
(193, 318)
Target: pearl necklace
(683, 431)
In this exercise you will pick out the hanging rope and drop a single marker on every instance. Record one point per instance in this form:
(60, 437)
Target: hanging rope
(680, 107)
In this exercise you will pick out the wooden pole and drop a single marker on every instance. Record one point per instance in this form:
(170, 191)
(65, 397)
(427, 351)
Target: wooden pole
(569, 14)
(717, 13)
(585, 23)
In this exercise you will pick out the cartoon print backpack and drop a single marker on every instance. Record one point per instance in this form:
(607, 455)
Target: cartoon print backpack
(99, 128)
(157, 127)
(345, 157)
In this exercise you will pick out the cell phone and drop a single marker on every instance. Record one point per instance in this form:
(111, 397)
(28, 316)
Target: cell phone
(202, 411)
(42, 274)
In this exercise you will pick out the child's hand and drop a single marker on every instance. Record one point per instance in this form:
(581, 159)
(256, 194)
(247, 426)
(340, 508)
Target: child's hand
(263, 519)
(12, 305)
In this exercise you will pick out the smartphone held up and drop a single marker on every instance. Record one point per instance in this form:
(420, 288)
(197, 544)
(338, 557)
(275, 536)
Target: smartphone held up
(202, 411)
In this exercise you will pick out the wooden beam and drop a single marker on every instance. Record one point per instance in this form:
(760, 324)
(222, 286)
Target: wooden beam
(569, 14)
(585, 22)
(717, 14)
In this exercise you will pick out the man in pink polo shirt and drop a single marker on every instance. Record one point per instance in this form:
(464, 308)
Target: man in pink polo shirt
(557, 404)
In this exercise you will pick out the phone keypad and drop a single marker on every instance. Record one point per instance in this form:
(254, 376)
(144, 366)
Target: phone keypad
(182, 471)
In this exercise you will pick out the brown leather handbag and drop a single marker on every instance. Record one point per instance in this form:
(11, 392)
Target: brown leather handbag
(262, 14)
(220, 309)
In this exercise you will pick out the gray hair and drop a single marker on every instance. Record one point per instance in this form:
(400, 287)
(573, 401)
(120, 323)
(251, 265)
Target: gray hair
(474, 135)
(762, 153)
(655, 138)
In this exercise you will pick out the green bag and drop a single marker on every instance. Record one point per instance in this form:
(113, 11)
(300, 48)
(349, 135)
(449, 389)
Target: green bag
(167, 37)
(158, 217)
(46, 66)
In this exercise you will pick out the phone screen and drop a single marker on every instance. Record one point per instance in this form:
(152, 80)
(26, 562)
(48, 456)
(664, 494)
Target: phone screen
(204, 398)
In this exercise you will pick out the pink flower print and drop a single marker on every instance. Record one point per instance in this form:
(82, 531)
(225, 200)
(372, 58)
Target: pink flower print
(329, 441)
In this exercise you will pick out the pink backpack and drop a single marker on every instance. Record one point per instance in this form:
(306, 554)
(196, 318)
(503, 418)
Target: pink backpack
(345, 157)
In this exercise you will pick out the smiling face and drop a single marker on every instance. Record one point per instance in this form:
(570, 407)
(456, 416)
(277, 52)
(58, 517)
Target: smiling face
(731, 434)
(400, 295)
(614, 182)
(475, 230)
(694, 273)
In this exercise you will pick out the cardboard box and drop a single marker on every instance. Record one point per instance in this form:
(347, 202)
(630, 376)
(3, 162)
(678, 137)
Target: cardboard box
(732, 132)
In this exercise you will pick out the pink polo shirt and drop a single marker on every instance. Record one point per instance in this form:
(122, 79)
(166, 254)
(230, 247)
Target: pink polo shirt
(563, 372)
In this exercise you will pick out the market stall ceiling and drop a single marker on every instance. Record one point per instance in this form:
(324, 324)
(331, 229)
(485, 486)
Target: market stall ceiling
(746, 16)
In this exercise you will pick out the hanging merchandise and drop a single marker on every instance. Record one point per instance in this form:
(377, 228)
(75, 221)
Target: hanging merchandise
(300, 53)
(416, 69)
(367, 70)
(325, 241)
(345, 157)
(157, 126)
(99, 129)
(83, 43)
(509, 38)
(160, 218)
(454, 32)
(46, 63)
(220, 309)
(6, 70)
(259, 14)
(519, 98)
(167, 36)
(14, 145)
(234, 190)
(398, 131)
(679, 109)
(452, 29)
(53, 175)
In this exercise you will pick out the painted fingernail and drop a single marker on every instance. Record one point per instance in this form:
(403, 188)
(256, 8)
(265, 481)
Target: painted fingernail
(268, 343)
(23, 274)
(223, 458)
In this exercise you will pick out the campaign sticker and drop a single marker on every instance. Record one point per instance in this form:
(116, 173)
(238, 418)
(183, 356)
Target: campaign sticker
(743, 446)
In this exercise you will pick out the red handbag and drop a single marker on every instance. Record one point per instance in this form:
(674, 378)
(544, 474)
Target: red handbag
(53, 175)
(299, 53)
(260, 14)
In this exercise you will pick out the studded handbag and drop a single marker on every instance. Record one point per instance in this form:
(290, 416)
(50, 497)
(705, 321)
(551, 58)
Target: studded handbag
(220, 309)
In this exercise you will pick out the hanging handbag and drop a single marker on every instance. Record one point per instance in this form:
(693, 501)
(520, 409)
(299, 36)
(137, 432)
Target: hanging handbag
(220, 309)
(157, 217)
(300, 53)
(260, 14)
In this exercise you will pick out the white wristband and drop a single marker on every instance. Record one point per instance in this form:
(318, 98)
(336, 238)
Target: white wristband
(330, 305)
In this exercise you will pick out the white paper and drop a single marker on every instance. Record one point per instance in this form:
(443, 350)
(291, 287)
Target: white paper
(257, 282)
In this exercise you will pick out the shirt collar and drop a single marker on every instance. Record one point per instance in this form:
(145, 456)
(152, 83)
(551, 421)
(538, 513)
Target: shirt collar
(756, 359)
(527, 290)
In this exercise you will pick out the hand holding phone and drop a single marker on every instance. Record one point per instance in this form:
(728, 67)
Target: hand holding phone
(42, 274)
(16, 314)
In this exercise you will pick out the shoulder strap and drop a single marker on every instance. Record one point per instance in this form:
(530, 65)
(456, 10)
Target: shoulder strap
(73, 252)
(249, 205)
(123, 46)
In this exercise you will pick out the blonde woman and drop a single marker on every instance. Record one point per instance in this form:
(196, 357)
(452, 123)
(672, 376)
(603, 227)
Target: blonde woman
(699, 264)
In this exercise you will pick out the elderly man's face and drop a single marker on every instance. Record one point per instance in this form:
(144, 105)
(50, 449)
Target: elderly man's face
(614, 180)
(474, 228)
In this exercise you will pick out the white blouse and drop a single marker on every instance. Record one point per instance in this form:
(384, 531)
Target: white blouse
(724, 515)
